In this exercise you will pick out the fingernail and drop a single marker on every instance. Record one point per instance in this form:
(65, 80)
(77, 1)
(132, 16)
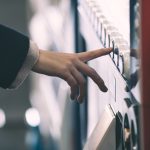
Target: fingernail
(104, 88)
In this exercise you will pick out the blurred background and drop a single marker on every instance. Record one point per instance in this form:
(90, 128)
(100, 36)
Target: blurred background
(13, 104)
(32, 117)
(40, 115)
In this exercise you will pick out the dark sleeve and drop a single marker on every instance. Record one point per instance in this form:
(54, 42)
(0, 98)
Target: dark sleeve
(14, 47)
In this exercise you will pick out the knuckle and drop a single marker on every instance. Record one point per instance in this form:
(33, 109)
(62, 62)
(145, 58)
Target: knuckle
(68, 65)
(74, 58)
(64, 69)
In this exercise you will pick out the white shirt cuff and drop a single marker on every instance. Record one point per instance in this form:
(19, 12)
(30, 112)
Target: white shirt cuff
(30, 61)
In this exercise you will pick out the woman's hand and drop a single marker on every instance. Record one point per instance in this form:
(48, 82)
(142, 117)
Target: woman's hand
(70, 67)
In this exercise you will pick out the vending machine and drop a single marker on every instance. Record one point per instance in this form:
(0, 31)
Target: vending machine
(112, 118)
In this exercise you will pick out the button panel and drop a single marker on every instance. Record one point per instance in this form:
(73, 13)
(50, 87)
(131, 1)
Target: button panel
(109, 36)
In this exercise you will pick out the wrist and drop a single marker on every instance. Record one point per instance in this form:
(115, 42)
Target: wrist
(36, 66)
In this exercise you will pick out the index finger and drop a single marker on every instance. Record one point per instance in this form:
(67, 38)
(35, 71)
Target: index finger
(86, 56)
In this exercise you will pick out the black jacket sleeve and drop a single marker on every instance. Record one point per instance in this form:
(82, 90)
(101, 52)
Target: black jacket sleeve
(14, 47)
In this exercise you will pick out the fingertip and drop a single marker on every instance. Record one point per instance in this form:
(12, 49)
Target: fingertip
(103, 88)
(110, 49)
(105, 51)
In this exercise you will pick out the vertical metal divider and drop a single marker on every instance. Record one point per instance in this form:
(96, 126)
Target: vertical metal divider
(81, 47)
(122, 50)
(77, 142)
(80, 110)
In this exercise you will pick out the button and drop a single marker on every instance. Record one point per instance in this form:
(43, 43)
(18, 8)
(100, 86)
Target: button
(100, 24)
(120, 64)
(109, 29)
(116, 56)
(113, 46)
(120, 45)
(124, 52)
(103, 36)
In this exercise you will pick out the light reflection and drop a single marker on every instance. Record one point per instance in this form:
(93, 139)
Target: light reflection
(32, 117)
(2, 118)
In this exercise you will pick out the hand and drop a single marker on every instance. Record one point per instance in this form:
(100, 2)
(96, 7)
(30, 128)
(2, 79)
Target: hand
(70, 68)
